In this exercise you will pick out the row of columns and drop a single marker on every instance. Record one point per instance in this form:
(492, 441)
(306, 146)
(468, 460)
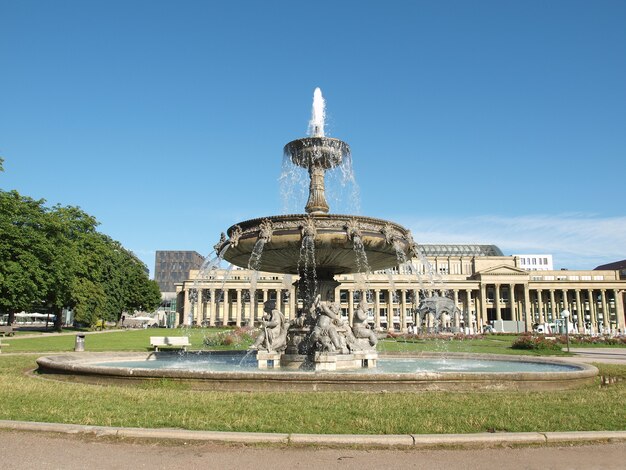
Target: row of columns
(529, 306)
(215, 307)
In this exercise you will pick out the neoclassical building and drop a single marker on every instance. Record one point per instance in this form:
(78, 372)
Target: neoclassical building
(484, 284)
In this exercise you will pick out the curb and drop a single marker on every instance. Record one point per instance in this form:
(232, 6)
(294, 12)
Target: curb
(399, 440)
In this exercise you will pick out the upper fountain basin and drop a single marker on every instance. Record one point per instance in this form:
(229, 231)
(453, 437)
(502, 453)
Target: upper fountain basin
(322, 152)
(334, 242)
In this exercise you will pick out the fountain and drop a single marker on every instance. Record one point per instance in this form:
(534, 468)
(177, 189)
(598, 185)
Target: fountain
(316, 246)
(318, 350)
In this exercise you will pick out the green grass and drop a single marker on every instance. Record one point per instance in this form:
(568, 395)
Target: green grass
(491, 344)
(139, 340)
(168, 403)
(114, 340)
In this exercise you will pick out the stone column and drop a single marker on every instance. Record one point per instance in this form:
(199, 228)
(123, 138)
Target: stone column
(390, 326)
(187, 308)
(552, 304)
(542, 318)
(200, 310)
(377, 308)
(403, 311)
(480, 319)
(238, 307)
(468, 312)
(212, 312)
(513, 303)
(456, 319)
(580, 312)
(496, 301)
(528, 323)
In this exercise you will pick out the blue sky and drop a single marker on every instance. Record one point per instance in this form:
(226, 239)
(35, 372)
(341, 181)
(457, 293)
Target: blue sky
(469, 121)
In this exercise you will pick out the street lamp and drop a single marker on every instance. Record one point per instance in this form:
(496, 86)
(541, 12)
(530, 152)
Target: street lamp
(565, 315)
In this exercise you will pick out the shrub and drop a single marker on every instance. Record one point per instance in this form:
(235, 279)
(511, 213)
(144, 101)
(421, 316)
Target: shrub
(237, 337)
(536, 343)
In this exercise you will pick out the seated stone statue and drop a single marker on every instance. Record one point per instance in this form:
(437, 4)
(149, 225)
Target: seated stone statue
(360, 325)
(273, 336)
(325, 332)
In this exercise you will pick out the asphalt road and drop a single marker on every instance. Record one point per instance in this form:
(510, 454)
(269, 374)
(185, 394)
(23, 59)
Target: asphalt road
(30, 450)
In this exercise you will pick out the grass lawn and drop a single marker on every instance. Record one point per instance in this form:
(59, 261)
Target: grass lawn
(490, 344)
(168, 403)
(112, 340)
(139, 340)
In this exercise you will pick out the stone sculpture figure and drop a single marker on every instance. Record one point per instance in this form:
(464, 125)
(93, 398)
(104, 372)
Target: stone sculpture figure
(324, 335)
(273, 336)
(360, 324)
(439, 307)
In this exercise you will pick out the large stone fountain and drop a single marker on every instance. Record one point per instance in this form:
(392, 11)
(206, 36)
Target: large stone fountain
(316, 246)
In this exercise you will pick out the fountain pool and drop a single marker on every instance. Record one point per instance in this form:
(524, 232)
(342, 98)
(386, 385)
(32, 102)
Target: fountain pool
(228, 370)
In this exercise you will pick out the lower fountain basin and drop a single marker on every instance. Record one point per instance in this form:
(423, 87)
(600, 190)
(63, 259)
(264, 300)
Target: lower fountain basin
(334, 242)
(237, 371)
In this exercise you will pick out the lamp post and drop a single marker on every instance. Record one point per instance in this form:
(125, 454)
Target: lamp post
(565, 315)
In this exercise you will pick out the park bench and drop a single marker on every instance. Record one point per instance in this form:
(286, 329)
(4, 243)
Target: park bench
(6, 331)
(170, 341)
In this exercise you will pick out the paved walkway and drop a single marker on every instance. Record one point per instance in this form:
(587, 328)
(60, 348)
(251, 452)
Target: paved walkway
(606, 355)
(27, 450)
(45, 334)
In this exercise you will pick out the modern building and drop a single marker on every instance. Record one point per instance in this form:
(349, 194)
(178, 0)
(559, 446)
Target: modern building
(172, 267)
(484, 284)
(535, 262)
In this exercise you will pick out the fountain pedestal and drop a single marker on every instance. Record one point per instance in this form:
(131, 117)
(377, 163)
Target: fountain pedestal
(268, 359)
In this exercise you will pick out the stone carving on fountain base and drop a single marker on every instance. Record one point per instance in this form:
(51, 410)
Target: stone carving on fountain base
(320, 340)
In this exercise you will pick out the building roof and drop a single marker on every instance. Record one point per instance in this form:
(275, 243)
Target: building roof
(461, 250)
(611, 266)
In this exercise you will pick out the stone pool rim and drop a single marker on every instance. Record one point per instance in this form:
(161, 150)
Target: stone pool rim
(81, 367)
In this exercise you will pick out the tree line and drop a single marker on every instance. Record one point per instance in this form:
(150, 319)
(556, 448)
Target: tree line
(54, 257)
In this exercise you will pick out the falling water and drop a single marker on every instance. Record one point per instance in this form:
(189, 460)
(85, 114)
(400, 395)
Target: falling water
(435, 279)
(207, 271)
(361, 257)
(306, 266)
(254, 264)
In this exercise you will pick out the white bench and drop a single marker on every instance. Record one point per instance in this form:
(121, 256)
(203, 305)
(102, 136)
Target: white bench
(169, 341)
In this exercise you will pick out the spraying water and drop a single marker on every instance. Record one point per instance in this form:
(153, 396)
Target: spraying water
(318, 115)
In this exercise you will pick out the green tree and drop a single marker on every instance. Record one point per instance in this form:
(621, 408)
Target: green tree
(57, 258)
(24, 248)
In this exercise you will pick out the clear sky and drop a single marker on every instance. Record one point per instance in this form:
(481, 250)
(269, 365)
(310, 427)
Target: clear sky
(497, 122)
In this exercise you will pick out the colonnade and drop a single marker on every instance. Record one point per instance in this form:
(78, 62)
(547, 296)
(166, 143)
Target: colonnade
(392, 307)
